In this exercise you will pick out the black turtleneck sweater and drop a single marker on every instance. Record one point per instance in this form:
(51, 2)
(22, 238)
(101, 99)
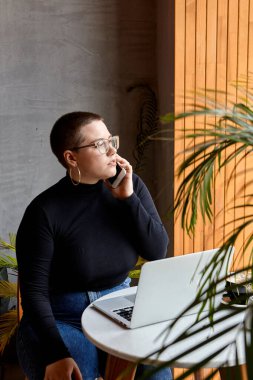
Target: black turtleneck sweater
(77, 238)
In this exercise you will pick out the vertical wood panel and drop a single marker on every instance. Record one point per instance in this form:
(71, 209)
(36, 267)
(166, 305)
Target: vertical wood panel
(242, 62)
(179, 107)
(200, 80)
(232, 52)
(213, 47)
(250, 86)
(190, 76)
(221, 84)
(211, 72)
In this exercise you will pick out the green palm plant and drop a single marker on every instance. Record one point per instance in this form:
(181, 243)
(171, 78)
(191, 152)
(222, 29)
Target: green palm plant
(8, 320)
(230, 126)
(234, 128)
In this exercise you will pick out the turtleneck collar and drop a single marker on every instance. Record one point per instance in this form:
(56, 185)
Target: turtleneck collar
(81, 188)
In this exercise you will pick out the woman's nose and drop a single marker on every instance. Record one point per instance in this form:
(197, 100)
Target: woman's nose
(112, 150)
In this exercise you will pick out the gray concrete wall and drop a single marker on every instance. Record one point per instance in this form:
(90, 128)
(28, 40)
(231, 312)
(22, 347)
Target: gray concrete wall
(57, 56)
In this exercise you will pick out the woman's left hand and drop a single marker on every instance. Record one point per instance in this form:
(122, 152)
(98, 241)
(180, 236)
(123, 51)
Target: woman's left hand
(63, 369)
(125, 188)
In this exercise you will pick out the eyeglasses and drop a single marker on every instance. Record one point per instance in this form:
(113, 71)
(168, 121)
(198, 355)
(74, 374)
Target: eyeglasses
(103, 145)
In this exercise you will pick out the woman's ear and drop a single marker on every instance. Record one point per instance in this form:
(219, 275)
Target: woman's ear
(70, 158)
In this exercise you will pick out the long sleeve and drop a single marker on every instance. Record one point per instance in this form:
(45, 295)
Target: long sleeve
(152, 238)
(35, 249)
(79, 238)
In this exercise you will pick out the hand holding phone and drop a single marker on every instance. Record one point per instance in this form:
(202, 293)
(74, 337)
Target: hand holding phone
(118, 177)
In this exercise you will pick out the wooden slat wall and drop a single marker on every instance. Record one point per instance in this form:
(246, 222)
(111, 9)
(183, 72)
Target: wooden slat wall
(213, 46)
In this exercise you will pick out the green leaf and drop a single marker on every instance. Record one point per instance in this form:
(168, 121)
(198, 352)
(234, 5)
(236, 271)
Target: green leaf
(8, 326)
(8, 289)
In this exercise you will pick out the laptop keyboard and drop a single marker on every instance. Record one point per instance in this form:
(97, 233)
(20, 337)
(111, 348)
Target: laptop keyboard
(125, 312)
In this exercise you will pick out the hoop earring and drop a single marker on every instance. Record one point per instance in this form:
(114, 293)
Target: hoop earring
(79, 176)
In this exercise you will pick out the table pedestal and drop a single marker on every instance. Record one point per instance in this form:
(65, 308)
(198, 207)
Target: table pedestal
(234, 373)
(119, 369)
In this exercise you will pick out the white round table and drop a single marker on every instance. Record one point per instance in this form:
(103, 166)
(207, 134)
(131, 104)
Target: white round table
(141, 343)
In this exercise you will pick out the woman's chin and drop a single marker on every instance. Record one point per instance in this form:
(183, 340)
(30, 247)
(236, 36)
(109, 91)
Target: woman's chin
(112, 172)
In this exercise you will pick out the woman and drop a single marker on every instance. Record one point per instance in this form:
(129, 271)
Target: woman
(76, 242)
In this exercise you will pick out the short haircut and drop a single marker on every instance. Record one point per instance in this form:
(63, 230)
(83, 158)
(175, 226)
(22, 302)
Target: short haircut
(65, 133)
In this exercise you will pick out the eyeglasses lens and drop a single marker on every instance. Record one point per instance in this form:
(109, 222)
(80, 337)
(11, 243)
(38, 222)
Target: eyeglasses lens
(104, 145)
(115, 142)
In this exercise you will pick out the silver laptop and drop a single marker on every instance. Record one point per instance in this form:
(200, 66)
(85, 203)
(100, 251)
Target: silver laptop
(166, 287)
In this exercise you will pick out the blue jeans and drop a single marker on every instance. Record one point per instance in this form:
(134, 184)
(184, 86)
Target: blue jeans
(67, 309)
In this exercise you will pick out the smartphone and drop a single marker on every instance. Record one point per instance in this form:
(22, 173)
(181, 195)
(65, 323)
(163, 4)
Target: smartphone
(117, 178)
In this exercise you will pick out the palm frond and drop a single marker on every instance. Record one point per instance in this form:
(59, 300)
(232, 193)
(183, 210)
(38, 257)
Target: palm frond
(134, 273)
(200, 326)
(8, 289)
(11, 245)
(8, 261)
(234, 128)
(171, 336)
(8, 326)
(8, 320)
(229, 126)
